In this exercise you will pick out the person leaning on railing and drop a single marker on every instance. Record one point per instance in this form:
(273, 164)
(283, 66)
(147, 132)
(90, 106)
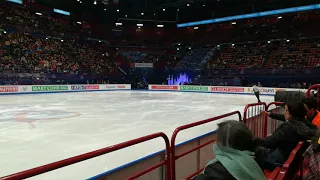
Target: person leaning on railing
(285, 138)
(312, 114)
(236, 156)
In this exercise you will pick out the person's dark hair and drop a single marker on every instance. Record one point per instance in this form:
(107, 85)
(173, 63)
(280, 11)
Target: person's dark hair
(234, 134)
(311, 102)
(296, 109)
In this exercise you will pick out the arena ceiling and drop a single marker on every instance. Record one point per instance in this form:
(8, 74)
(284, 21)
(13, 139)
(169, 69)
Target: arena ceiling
(167, 11)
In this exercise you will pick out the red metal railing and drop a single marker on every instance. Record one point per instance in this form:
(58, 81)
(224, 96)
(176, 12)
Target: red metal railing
(174, 157)
(256, 122)
(316, 87)
(272, 123)
(66, 162)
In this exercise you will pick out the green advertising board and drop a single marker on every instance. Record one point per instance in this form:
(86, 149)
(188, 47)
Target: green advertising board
(194, 88)
(49, 88)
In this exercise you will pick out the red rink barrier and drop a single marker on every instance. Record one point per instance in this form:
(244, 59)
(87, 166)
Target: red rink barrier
(256, 123)
(175, 157)
(315, 87)
(66, 162)
(272, 124)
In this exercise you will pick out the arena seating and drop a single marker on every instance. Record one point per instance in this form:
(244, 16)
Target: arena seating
(297, 53)
(241, 56)
(192, 59)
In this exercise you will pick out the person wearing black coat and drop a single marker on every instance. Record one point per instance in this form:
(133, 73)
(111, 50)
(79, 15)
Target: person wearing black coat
(286, 137)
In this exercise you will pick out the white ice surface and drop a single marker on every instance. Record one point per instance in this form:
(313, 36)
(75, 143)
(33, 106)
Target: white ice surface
(31, 135)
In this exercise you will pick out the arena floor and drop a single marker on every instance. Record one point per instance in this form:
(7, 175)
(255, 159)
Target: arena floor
(37, 129)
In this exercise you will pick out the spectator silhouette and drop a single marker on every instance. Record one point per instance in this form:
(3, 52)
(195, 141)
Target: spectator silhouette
(236, 157)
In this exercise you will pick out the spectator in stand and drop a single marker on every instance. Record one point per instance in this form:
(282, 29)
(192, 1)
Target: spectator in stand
(313, 155)
(311, 106)
(236, 157)
(312, 114)
(285, 138)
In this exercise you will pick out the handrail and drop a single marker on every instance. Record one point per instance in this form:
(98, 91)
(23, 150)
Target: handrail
(76, 159)
(315, 86)
(173, 157)
(274, 103)
(245, 114)
(251, 105)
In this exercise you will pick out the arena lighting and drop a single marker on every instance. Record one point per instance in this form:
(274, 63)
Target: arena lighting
(188, 4)
(179, 44)
(126, 16)
(80, 2)
(280, 17)
(118, 10)
(177, 49)
(233, 44)
(178, 9)
(79, 22)
(163, 9)
(189, 47)
(40, 14)
(139, 25)
(118, 24)
(62, 11)
(269, 42)
(105, 9)
(61, 40)
(5, 32)
(142, 14)
(160, 25)
(16, 1)
(234, 23)
(95, 2)
(288, 40)
(252, 15)
(196, 28)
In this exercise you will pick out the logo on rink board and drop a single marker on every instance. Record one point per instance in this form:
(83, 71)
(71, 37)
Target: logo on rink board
(49, 88)
(165, 87)
(9, 89)
(226, 89)
(264, 90)
(85, 87)
(194, 88)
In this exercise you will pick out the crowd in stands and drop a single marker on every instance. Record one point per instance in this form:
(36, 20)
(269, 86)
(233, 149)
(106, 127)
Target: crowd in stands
(27, 53)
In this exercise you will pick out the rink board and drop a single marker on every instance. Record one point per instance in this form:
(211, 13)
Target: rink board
(32, 89)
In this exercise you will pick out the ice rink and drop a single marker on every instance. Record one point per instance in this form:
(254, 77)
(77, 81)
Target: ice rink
(37, 129)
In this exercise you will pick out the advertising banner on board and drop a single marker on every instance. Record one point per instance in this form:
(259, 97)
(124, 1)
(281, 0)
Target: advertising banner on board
(164, 87)
(194, 88)
(49, 88)
(5, 89)
(227, 89)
